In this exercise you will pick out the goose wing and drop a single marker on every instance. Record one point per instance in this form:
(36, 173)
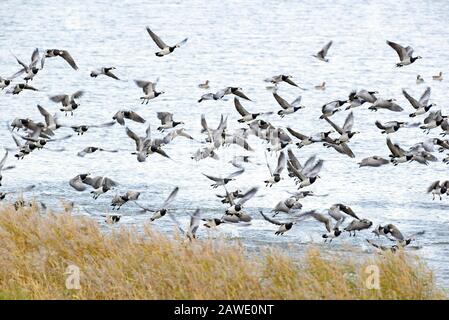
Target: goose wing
(161, 44)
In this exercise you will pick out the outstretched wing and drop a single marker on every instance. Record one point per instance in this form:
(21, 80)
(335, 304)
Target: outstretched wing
(161, 44)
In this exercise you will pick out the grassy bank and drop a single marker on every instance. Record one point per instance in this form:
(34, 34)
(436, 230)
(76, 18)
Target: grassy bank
(36, 250)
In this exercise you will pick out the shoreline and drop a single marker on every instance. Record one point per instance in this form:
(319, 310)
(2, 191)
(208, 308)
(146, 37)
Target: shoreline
(60, 256)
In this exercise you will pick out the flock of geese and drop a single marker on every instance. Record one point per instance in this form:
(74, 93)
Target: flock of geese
(30, 135)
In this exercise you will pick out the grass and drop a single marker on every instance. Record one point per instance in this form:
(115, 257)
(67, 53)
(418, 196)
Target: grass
(35, 251)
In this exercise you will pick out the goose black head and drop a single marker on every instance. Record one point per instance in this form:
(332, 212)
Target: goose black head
(288, 225)
(276, 177)
(238, 207)
(7, 82)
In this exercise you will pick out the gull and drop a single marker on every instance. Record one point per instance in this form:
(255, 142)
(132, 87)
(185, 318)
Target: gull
(321, 86)
(2, 166)
(50, 53)
(30, 70)
(345, 131)
(275, 176)
(282, 78)
(246, 116)
(333, 231)
(167, 121)
(105, 71)
(149, 89)
(204, 85)
(288, 108)
(405, 54)
(373, 161)
(119, 200)
(89, 150)
(321, 55)
(438, 77)
(307, 175)
(218, 181)
(421, 106)
(287, 205)
(165, 49)
(437, 188)
(358, 225)
(68, 101)
(419, 79)
(121, 115)
(388, 104)
(162, 210)
(4, 83)
(332, 107)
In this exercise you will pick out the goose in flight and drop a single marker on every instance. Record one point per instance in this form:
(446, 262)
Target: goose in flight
(321, 55)
(18, 88)
(218, 181)
(4, 83)
(237, 91)
(165, 49)
(68, 101)
(121, 115)
(283, 226)
(145, 145)
(333, 231)
(246, 116)
(373, 161)
(275, 176)
(345, 131)
(405, 54)
(149, 89)
(288, 108)
(282, 78)
(30, 70)
(104, 71)
(167, 121)
(437, 188)
(64, 54)
(422, 105)
(307, 175)
(162, 210)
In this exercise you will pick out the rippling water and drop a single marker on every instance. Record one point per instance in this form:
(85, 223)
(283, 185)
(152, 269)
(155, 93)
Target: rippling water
(233, 43)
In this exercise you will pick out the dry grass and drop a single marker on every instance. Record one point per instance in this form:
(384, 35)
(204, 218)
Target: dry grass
(35, 251)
